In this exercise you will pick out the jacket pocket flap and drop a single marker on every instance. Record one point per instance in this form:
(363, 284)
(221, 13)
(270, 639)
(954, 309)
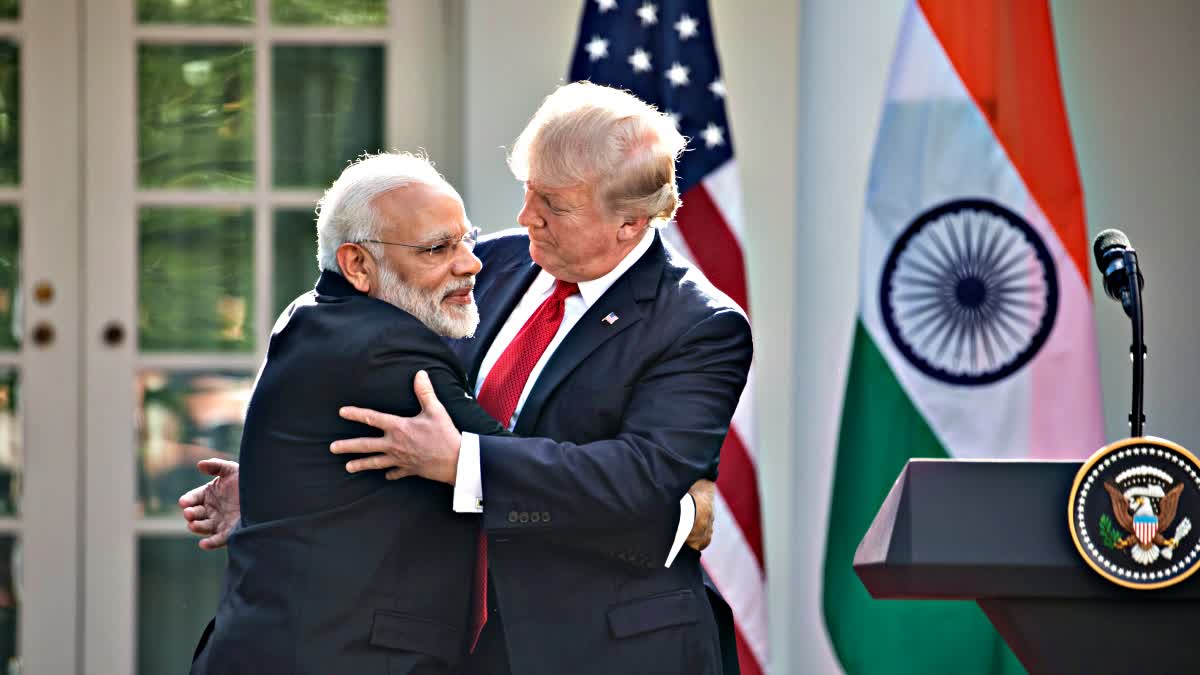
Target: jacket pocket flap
(394, 630)
(659, 611)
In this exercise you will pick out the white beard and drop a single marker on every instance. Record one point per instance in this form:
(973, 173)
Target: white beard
(452, 321)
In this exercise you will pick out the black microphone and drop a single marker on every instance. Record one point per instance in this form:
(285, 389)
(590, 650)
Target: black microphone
(1109, 247)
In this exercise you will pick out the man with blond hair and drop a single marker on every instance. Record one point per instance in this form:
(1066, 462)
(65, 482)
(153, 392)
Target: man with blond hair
(640, 376)
(594, 332)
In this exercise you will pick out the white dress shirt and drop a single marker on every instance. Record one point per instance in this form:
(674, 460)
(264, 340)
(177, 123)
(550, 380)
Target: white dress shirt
(468, 483)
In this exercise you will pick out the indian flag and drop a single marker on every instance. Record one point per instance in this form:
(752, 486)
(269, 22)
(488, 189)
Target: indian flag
(975, 335)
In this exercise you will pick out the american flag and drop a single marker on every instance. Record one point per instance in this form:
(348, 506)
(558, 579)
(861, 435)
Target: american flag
(665, 53)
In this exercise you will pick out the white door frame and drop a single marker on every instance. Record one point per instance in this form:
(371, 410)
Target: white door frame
(48, 34)
(423, 76)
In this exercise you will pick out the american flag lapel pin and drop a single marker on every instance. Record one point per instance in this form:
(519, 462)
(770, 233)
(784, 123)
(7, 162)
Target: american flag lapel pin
(610, 319)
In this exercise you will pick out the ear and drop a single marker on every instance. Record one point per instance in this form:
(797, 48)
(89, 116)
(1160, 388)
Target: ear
(632, 229)
(357, 266)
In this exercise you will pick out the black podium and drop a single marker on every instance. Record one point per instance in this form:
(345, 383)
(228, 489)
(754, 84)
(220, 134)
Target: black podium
(996, 532)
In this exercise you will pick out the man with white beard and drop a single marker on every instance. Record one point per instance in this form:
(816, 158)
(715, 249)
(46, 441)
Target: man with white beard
(332, 572)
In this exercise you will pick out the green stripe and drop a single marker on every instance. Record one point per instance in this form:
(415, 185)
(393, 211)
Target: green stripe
(881, 430)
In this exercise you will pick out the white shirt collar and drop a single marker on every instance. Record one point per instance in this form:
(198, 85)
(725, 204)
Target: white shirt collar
(591, 291)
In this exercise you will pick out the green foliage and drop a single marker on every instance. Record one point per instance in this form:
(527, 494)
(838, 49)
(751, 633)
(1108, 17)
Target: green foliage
(10, 114)
(195, 286)
(1108, 532)
(10, 9)
(196, 11)
(196, 116)
(330, 12)
(295, 255)
(10, 276)
(327, 109)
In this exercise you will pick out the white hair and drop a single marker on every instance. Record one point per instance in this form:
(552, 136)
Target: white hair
(346, 213)
(588, 134)
(452, 322)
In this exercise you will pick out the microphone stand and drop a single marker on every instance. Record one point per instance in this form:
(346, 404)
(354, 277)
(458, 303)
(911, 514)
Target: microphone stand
(1131, 298)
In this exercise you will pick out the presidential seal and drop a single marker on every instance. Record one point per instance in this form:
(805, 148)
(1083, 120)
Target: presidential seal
(1131, 511)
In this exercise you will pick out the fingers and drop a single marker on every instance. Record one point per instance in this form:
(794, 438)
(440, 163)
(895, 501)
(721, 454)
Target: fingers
(396, 474)
(204, 528)
(424, 391)
(371, 463)
(217, 467)
(193, 497)
(195, 513)
(358, 446)
(214, 542)
(372, 418)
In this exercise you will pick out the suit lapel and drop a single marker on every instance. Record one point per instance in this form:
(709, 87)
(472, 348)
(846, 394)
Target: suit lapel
(622, 301)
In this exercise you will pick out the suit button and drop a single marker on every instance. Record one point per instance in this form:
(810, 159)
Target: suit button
(545, 516)
(535, 517)
(512, 516)
(524, 517)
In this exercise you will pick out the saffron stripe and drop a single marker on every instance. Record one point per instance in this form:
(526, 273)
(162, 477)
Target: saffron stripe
(1004, 53)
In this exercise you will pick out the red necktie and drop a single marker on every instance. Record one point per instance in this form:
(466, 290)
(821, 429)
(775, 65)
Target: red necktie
(499, 396)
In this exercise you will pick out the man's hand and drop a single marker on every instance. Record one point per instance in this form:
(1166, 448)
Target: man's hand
(213, 509)
(425, 445)
(702, 529)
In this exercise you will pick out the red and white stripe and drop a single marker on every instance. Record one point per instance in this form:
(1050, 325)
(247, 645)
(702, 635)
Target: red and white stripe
(709, 232)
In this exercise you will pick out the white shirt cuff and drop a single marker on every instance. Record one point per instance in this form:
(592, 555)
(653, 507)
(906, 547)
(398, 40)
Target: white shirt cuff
(468, 483)
(687, 518)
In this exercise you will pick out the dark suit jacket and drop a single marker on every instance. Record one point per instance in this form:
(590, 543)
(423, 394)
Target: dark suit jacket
(332, 572)
(641, 407)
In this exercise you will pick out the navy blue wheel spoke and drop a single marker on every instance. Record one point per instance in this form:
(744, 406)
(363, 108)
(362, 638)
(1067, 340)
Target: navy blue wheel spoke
(944, 265)
(950, 265)
(936, 274)
(969, 292)
(924, 283)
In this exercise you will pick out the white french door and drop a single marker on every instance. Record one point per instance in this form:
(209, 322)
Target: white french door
(206, 131)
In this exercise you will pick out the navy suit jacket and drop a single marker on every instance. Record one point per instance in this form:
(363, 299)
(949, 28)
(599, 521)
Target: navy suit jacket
(332, 572)
(640, 407)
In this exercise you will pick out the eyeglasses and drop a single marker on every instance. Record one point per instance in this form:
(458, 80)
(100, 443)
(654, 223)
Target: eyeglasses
(438, 248)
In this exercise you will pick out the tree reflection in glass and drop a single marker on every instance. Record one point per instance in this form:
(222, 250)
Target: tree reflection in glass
(327, 109)
(330, 12)
(295, 256)
(182, 418)
(196, 117)
(195, 279)
(196, 11)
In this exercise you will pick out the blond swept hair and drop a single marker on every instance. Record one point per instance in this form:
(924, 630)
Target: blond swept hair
(621, 146)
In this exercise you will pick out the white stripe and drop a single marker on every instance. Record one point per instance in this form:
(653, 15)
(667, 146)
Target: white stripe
(735, 571)
(724, 186)
(744, 419)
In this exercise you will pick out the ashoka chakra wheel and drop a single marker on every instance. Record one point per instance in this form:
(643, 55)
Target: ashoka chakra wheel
(969, 292)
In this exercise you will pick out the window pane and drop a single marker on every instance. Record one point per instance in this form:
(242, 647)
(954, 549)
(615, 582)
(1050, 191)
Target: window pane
(10, 565)
(182, 418)
(327, 109)
(330, 12)
(10, 277)
(196, 117)
(10, 9)
(10, 113)
(11, 448)
(179, 587)
(195, 279)
(195, 11)
(295, 251)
